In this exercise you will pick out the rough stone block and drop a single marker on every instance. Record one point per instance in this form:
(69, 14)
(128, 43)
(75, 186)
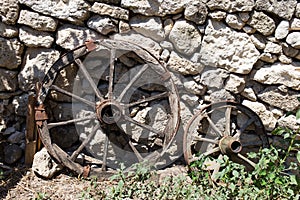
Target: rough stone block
(36, 63)
(37, 21)
(75, 11)
(9, 10)
(33, 38)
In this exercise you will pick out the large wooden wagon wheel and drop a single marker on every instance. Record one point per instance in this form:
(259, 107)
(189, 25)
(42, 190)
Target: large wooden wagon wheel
(125, 107)
(224, 128)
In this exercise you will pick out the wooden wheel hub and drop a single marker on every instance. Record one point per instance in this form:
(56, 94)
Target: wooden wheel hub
(109, 112)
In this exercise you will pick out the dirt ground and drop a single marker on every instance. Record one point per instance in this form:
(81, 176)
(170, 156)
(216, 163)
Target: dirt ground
(22, 183)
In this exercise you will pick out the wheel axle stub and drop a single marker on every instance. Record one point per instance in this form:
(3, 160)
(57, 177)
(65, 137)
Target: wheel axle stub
(229, 145)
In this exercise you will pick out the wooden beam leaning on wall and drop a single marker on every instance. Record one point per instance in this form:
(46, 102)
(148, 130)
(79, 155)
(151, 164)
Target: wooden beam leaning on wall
(33, 143)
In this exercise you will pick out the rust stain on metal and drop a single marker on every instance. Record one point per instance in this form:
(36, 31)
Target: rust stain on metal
(86, 171)
(90, 45)
(40, 115)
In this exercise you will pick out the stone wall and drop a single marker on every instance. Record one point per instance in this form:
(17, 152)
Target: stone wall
(243, 50)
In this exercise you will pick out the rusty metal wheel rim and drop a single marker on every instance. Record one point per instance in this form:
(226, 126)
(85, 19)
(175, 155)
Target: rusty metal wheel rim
(231, 140)
(104, 102)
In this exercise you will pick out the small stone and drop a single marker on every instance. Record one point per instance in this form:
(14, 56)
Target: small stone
(289, 122)
(282, 30)
(194, 88)
(9, 130)
(112, 11)
(234, 21)
(190, 99)
(9, 10)
(182, 65)
(295, 24)
(11, 51)
(12, 153)
(8, 80)
(235, 84)
(165, 55)
(284, 59)
(244, 16)
(16, 138)
(258, 40)
(273, 48)
(249, 30)
(33, 38)
(297, 11)
(124, 27)
(277, 112)
(37, 21)
(196, 11)
(217, 15)
(20, 104)
(44, 165)
(148, 26)
(214, 78)
(293, 39)
(168, 25)
(262, 23)
(176, 17)
(249, 94)
(103, 25)
(268, 57)
(8, 31)
(289, 51)
(166, 45)
(185, 37)
(221, 95)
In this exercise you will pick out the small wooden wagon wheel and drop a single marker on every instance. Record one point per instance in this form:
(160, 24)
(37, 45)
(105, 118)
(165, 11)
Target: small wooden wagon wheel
(125, 107)
(226, 128)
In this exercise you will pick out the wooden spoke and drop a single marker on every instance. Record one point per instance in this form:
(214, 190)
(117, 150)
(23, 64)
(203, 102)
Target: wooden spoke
(202, 139)
(148, 99)
(62, 123)
(111, 73)
(89, 78)
(134, 79)
(104, 161)
(138, 155)
(227, 121)
(85, 142)
(55, 87)
(246, 159)
(213, 126)
(145, 126)
(214, 150)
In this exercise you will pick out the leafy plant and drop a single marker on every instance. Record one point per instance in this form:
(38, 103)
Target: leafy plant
(41, 196)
